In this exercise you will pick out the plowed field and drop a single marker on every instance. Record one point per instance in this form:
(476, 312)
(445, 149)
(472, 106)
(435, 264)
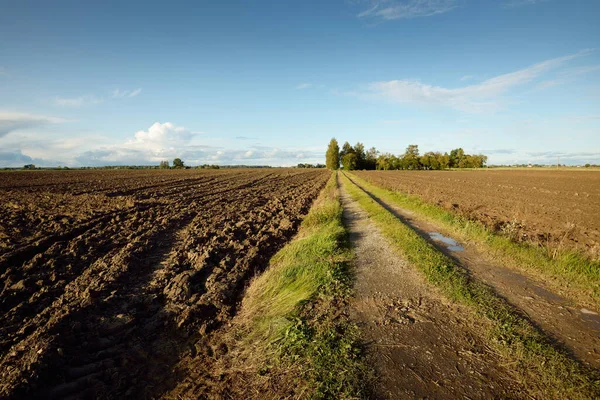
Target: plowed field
(108, 277)
(558, 209)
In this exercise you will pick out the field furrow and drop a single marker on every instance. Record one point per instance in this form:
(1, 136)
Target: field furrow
(105, 308)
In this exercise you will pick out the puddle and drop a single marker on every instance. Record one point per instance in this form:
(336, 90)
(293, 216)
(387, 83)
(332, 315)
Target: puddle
(546, 294)
(590, 317)
(450, 243)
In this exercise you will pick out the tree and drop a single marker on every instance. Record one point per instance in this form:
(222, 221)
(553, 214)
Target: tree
(346, 149)
(29, 166)
(371, 158)
(410, 160)
(444, 160)
(177, 163)
(359, 150)
(429, 160)
(484, 160)
(332, 157)
(349, 161)
(387, 162)
(164, 165)
(456, 157)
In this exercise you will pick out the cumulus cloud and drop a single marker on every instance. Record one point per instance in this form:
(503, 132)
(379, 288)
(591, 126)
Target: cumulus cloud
(119, 94)
(161, 141)
(472, 98)
(14, 121)
(76, 102)
(391, 10)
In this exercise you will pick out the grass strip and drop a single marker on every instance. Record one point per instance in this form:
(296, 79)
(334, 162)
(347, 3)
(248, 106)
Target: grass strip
(569, 272)
(545, 370)
(293, 311)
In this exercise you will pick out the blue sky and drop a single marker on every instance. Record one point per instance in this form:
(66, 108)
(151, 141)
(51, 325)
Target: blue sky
(270, 82)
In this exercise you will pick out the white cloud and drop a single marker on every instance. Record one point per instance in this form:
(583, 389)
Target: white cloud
(581, 70)
(14, 121)
(390, 10)
(165, 141)
(472, 98)
(119, 94)
(88, 100)
(304, 86)
(161, 139)
(520, 3)
(76, 102)
(466, 78)
(548, 84)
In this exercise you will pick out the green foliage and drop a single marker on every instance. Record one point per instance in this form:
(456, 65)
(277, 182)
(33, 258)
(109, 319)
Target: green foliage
(302, 165)
(371, 159)
(350, 161)
(410, 160)
(178, 163)
(164, 165)
(429, 161)
(346, 149)
(29, 166)
(208, 166)
(332, 157)
(354, 158)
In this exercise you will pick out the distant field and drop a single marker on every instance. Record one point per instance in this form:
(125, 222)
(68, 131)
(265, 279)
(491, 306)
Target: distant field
(560, 208)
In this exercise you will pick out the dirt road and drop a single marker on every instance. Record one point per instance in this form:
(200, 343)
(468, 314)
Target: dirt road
(420, 344)
(574, 327)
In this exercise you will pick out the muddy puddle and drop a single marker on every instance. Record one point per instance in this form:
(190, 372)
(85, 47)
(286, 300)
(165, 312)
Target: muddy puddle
(448, 242)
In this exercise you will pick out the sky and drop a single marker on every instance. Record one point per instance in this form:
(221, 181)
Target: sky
(271, 82)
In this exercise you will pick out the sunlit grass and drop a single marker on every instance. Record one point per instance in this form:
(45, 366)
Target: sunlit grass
(291, 311)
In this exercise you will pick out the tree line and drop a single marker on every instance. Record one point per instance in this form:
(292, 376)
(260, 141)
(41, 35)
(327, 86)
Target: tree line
(356, 157)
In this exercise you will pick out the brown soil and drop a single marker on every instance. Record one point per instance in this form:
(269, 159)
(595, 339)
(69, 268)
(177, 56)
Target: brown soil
(574, 327)
(420, 345)
(560, 209)
(110, 279)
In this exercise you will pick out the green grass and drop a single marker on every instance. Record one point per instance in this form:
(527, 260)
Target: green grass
(292, 311)
(544, 370)
(570, 273)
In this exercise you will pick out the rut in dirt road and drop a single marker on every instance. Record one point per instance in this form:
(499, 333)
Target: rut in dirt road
(419, 344)
(573, 327)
